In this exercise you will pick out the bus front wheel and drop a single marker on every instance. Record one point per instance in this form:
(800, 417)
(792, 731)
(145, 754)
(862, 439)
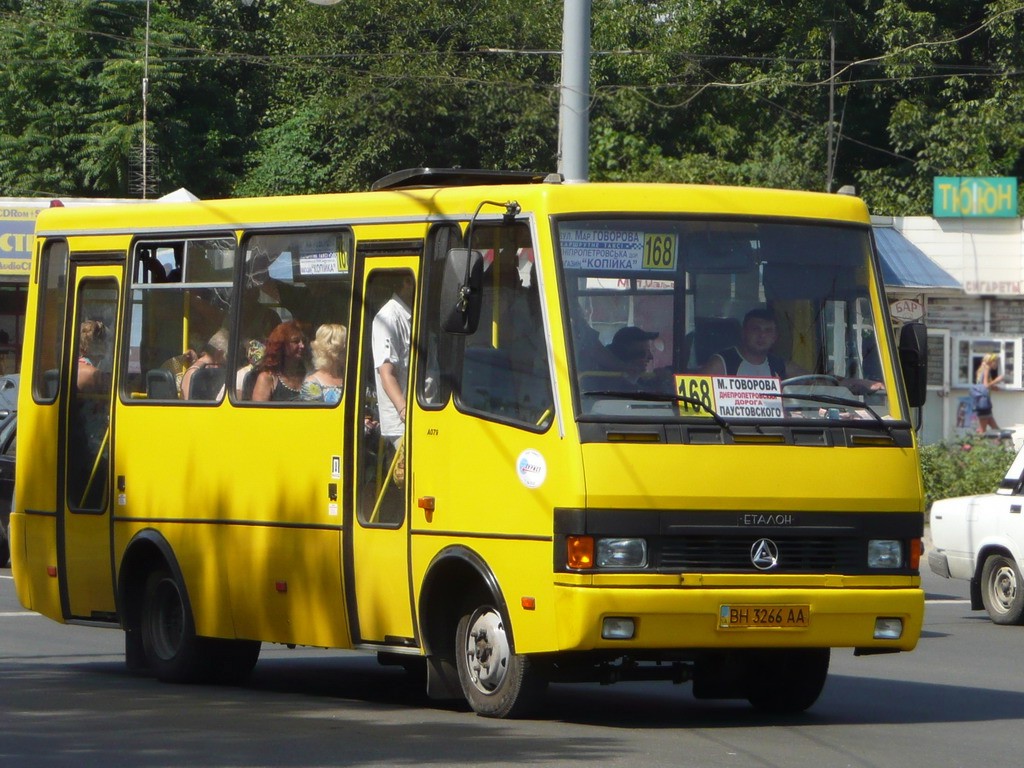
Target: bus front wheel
(495, 681)
(787, 681)
(169, 641)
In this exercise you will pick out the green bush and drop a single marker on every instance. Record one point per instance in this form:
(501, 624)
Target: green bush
(963, 467)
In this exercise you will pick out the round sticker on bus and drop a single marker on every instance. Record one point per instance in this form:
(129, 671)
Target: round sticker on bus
(531, 468)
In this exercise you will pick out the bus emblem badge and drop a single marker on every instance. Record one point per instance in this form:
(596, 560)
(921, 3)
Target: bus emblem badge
(764, 554)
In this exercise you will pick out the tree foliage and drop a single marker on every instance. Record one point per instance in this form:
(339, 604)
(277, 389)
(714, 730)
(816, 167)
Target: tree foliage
(282, 96)
(964, 467)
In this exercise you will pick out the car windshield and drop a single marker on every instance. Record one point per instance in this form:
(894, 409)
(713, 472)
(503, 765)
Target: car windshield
(727, 320)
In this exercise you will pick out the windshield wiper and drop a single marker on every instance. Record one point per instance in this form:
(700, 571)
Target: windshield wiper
(660, 397)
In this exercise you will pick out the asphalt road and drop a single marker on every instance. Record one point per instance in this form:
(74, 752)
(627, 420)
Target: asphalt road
(67, 699)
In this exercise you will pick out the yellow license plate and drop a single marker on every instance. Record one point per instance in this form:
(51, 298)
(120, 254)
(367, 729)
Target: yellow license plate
(763, 616)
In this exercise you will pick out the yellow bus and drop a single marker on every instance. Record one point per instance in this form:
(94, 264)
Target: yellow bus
(640, 432)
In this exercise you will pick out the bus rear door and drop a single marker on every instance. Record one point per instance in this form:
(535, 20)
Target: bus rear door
(84, 486)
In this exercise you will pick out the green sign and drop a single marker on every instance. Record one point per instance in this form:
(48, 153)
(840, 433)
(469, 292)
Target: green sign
(975, 196)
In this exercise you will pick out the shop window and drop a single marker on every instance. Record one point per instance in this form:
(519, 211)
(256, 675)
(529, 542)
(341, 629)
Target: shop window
(968, 352)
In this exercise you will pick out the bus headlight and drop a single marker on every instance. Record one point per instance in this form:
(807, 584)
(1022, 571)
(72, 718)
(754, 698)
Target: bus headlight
(885, 553)
(621, 553)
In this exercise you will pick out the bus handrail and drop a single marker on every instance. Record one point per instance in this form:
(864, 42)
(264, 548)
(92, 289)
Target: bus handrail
(95, 467)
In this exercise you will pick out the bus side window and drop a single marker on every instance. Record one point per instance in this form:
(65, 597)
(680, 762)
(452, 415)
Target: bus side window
(302, 278)
(434, 370)
(505, 363)
(50, 339)
(180, 299)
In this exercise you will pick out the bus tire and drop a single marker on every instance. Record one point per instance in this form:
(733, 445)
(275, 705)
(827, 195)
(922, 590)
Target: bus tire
(787, 681)
(1002, 591)
(5, 546)
(172, 650)
(231, 661)
(495, 681)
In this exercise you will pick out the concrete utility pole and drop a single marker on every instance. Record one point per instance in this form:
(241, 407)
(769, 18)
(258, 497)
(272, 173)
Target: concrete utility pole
(574, 109)
(145, 102)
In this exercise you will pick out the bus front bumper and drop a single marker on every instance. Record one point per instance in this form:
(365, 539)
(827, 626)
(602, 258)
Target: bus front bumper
(868, 619)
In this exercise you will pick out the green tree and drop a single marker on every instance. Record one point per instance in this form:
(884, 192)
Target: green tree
(394, 84)
(281, 96)
(72, 120)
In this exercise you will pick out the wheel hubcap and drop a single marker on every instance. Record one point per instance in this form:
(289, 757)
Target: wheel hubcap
(1004, 588)
(487, 652)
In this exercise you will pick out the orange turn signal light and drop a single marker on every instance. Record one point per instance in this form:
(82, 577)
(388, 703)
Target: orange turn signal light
(580, 551)
(916, 550)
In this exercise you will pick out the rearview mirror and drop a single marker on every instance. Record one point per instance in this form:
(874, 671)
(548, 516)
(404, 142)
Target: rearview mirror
(914, 362)
(461, 291)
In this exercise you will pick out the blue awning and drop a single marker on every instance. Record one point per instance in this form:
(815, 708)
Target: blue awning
(904, 265)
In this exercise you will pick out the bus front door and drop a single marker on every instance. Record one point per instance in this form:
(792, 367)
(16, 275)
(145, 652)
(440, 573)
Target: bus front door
(377, 562)
(85, 532)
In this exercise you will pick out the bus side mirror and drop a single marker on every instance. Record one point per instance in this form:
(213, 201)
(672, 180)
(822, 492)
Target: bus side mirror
(461, 291)
(914, 362)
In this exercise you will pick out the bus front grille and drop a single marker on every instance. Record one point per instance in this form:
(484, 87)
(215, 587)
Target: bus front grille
(719, 554)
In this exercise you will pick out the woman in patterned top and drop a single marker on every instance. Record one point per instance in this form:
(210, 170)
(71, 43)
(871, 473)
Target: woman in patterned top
(325, 384)
(284, 364)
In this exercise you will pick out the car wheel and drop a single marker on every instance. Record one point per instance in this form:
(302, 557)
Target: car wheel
(1002, 591)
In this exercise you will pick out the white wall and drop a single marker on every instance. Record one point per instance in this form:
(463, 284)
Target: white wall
(987, 256)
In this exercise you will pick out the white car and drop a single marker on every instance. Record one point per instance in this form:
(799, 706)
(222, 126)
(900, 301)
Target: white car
(981, 539)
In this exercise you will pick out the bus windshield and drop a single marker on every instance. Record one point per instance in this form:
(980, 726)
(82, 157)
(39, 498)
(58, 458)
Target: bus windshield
(675, 319)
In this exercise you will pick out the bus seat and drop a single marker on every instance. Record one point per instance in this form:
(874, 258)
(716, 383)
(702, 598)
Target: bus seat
(713, 334)
(248, 384)
(160, 385)
(487, 381)
(206, 383)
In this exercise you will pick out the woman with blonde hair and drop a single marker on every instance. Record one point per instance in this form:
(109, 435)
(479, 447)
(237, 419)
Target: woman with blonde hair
(985, 380)
(326, 382)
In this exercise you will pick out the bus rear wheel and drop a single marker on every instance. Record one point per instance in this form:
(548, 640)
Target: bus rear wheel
(172, 649)
(231, 661)
(495, 681)
(787, 681)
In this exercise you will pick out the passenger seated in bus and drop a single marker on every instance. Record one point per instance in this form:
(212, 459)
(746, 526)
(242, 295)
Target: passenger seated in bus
(284, 365)
(591, 354)
(245, 377)
(325, 384)
(632, 347)
(178, 364)
(753, 357)
(214, 354)
(92, 345)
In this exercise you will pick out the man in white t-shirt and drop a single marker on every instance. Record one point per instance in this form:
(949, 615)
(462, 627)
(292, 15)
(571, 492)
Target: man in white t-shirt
(390, 341)
(752, 356)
